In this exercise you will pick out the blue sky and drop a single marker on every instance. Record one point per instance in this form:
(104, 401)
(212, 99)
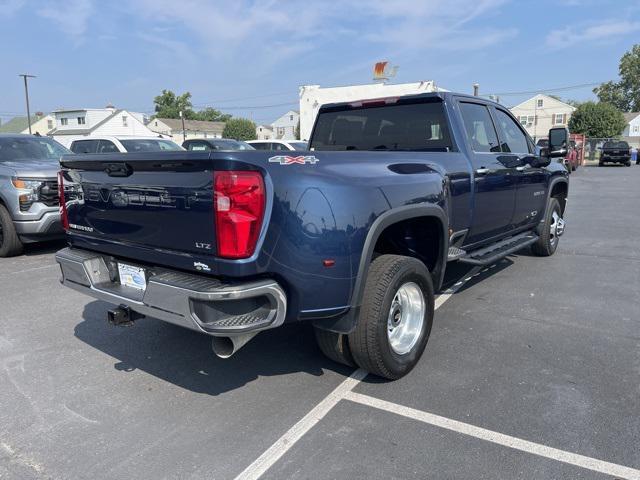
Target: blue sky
(250, 57)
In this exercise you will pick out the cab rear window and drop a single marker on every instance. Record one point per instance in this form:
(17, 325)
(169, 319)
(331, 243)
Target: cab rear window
(398, 127)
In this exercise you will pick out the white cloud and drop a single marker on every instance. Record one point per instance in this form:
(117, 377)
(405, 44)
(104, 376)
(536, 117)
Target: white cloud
(267, 33)
(71, 16)
(603, 31)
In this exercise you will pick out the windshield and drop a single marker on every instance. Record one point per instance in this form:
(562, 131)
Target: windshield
(616, 145)
(419, 126)
(299, 145)
(149, 145)
(30, 148)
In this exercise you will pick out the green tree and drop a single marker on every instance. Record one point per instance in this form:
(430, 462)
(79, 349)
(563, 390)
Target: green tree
(210, 114)
(240, 129)
(169, 105)
(597, 120)
(625, 94)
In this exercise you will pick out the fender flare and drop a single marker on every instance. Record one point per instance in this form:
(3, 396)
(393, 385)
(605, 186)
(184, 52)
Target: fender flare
(347, 322)
(555, 181)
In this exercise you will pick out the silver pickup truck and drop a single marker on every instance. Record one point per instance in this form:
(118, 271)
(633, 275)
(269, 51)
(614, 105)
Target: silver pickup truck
(29, 207)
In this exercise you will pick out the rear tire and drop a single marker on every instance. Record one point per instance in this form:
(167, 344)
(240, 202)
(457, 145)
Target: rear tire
(335, 346)
(549, 239)
(10, 244)
(396, 317)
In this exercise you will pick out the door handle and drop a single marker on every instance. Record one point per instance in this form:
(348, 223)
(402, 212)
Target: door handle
(482, 171)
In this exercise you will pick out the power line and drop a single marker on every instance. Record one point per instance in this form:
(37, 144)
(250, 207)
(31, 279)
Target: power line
(213, 102)
(557, 89)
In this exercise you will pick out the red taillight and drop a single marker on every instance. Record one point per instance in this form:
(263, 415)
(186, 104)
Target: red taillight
(63, 204)
(239, 209)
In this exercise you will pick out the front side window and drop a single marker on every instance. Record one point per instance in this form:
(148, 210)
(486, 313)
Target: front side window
(401, 127)
(513, 139)
(479, 128)
(85, 146)
(107, 146)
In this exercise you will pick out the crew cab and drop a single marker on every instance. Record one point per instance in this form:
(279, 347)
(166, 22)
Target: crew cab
(353, 235)
(615, 151)
(29, 209)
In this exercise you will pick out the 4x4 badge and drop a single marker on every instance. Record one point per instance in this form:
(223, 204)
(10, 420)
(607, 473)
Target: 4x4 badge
(291, 160)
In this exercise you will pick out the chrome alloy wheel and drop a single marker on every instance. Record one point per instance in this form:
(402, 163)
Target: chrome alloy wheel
(406, 316)
(556, 227)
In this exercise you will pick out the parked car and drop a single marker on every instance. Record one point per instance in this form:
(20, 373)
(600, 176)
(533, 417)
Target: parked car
(123, 144)
(278, 145)
(29, 209)
(220, 144)
(353, 236)
(615, 151)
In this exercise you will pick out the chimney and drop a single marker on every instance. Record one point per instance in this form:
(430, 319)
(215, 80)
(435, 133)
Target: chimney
(476, 89)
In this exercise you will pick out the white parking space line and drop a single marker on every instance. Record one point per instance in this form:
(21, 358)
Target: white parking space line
(289, 439)
(286, 441)
(588, 463)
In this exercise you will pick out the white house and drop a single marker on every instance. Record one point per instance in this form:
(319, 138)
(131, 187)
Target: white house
(541, 113)
(43, 125)
(284, 128)
(172, 127)
(633, 125)
(264, 132)
(312, 97)
(76, 124)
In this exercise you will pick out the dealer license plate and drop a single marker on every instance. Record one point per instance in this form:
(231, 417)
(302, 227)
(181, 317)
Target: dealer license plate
(131, 276)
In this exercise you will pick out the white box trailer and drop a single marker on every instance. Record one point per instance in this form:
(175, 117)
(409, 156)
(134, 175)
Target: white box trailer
(312, 97)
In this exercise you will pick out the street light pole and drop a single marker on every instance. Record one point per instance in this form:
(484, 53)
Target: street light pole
(184, 132)
(26, 95)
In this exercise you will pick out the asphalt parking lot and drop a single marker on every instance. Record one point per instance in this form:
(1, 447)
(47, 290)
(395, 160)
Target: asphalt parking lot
(532, 371)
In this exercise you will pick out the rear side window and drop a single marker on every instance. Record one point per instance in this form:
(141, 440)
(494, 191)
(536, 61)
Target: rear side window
(479, 128)
(513, 139)
(406, 127)
(85, 146)
(260, 146)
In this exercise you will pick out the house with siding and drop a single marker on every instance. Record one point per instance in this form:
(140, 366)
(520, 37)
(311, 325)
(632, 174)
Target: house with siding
(172, 127)
(264, 132)
(41, 124)
(632, 129)
(541, 113)
(284, 128)
(76, 124)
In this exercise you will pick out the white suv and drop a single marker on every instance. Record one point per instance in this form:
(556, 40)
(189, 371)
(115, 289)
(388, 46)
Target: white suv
(124, 144)
(278, 145)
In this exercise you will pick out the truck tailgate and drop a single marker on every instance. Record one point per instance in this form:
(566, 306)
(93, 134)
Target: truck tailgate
(165, 203)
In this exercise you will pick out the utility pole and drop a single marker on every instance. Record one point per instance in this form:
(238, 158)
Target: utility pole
(26, 94)
(184, 132)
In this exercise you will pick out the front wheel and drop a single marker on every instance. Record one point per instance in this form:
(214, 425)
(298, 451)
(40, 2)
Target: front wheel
(396, 317)
(10, 244)
(552, 229)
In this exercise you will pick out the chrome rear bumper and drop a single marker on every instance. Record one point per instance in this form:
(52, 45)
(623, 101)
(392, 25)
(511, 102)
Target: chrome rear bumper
(200, 303)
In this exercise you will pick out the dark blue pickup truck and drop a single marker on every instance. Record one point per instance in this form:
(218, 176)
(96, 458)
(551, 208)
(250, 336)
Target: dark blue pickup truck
(353, 235)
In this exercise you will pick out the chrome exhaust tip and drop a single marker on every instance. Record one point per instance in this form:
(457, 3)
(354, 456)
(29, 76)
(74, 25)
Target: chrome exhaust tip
(225, 347)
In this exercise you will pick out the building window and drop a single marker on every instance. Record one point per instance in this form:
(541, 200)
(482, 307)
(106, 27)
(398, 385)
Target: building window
(81, 121)
(540, 102)
(50, 124)
(281, 131)
(156, 123)
(125, 121)
(64, 121)
(636, 128)
(291, 118)
(558, 118)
